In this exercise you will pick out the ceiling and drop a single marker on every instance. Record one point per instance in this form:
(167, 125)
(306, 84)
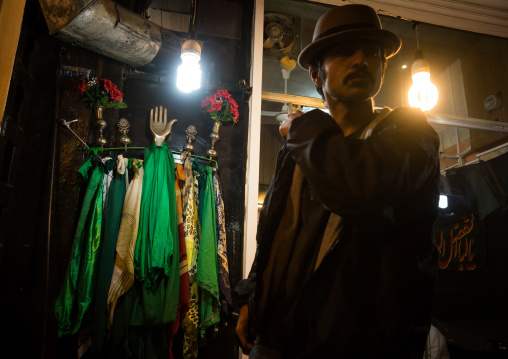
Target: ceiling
(489, 17)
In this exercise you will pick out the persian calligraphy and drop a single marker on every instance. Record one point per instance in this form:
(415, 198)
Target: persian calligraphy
(457, 245)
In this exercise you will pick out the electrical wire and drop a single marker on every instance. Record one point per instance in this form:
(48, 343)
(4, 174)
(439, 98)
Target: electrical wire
(50, 204)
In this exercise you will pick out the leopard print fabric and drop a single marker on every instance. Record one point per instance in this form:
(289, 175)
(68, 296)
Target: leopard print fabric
(191, 321)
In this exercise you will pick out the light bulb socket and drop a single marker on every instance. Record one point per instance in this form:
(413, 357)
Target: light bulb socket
(420, 65)
(191, 46)
(418, 54)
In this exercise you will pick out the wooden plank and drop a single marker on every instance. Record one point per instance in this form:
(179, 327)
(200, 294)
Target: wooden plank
(294, 99)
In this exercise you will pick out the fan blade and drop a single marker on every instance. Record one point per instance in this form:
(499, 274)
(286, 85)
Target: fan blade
(268, 44)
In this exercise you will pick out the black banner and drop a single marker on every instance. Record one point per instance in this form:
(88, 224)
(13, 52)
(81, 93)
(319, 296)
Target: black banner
(461, 244)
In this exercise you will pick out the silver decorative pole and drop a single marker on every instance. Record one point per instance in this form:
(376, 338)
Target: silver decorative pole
(123, 126)
(190, 133)
(215, 137)
(101, 141)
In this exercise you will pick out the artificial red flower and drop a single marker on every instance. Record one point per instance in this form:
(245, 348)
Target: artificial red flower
(215, 106)
(116, 94)
(101, 92)
(108, 85)
(233, 105)
(224, 94)
(208, 100)
(221, 107)
(82, 87)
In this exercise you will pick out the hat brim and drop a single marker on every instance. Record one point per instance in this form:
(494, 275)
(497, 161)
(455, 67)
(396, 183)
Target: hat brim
(391, 43)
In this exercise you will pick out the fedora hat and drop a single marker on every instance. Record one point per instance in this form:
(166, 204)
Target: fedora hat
(348, 22)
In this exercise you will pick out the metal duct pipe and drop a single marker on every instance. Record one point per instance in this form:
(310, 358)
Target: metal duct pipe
(108, 29)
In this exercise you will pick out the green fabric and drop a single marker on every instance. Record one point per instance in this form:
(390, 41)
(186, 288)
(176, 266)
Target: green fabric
(208, 272)
(157, 256)
(112, 217)
(149, 342)
(119, 340)
(159, 306)
(84, 173)
(198, 168)
(158, 232)
(72, 307)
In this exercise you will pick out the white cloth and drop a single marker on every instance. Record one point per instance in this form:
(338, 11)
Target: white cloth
(121, 167)
(108, 176)
(120, 164)
(436, 345)
(123, 272)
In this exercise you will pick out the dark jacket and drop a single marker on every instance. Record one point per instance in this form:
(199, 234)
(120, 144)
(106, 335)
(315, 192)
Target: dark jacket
(371, 295)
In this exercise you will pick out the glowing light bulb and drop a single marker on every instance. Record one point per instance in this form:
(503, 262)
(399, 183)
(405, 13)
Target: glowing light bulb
(423, 93)
(443, 201)
(188, 77)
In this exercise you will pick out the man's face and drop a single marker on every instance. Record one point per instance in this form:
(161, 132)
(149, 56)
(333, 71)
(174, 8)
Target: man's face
(353, 71)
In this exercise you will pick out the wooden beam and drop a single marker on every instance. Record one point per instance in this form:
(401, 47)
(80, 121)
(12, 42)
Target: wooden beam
(294, 99)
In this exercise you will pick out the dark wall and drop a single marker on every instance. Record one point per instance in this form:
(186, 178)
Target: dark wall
(471, 291)
(38, 203)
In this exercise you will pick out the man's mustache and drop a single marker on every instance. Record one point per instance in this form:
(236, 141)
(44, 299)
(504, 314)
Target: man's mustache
(359, 74)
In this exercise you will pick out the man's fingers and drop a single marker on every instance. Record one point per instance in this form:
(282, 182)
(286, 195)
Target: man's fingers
(295, 114)
(241, 328)
(240, 332)
(286, 124)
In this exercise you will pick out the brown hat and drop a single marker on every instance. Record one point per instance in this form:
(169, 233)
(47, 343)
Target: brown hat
(348, 22)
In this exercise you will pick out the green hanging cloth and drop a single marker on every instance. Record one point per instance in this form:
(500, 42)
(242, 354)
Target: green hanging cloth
(208, 272)
(158, 231)
(156, 255)
(72, 307)
(112, 217)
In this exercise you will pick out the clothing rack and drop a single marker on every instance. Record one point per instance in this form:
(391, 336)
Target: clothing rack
(96, 150)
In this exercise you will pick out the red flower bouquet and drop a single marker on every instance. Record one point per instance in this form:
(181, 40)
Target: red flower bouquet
(101, 92)
(221, 107)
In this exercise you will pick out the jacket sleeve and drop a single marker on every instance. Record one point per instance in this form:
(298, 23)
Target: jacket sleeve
(246, 287)
(356, 176)
(267, 220)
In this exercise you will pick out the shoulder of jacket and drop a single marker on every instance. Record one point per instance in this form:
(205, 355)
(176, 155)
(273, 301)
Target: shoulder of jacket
(411, 113)
(401, 117)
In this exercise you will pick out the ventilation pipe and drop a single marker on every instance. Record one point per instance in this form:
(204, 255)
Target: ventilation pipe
(109, 29)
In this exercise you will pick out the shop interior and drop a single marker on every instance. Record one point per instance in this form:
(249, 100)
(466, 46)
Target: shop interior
(247, 48)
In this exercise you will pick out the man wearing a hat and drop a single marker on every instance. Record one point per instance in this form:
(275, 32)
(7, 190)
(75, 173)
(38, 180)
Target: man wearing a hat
(345, 263)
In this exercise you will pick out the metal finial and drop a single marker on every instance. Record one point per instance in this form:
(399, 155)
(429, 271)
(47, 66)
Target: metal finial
(190, 133)
(123, 126)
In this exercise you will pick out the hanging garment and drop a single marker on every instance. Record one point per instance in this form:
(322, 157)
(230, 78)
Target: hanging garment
(113, 215)
(200, 172)
(222, 249)
(207, 274)
(123, 271)
(156, 256)
(191, 322)
(158, 232)
(184, 296)
(109, 164)
(72, 307)
(189, 205)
